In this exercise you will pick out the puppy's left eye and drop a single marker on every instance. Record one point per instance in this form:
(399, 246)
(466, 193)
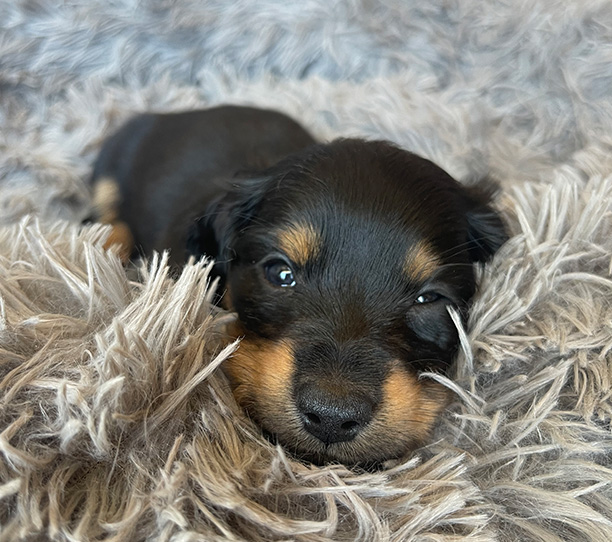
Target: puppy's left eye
(279, 273)
(427, 297)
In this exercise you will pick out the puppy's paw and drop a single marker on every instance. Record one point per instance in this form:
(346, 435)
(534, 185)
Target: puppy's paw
(121, 240)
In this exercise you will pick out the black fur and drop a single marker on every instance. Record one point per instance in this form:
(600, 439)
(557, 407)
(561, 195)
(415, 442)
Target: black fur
(170, 168)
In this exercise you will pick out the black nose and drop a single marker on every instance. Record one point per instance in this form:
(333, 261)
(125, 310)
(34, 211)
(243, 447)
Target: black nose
(332, 417)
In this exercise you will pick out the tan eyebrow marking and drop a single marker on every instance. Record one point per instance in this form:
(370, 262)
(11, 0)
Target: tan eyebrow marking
(301, 242)
(421, 261)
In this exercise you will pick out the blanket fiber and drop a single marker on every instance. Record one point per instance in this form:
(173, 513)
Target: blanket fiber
(116, 423)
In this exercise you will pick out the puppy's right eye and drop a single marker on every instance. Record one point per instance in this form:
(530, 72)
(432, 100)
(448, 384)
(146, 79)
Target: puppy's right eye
(279, 273)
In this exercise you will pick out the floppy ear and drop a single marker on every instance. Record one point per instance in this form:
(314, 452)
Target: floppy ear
(202, 233)
(214, 232)
(486, 230)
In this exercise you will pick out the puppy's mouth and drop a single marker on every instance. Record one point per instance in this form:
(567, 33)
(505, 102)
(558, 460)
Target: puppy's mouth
(370, 448)
(315, 425)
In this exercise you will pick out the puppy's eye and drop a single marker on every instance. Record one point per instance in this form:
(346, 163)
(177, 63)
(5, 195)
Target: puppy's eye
(427, 297)
(279, 273)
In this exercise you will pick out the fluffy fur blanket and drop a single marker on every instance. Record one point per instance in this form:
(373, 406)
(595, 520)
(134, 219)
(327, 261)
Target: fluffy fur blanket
(115, 422)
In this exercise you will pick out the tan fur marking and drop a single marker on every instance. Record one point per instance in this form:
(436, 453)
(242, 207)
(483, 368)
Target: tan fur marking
(106, 200)
(411, 406)
(421, 261)
(121, 236)
(260, 373)
(300, 242)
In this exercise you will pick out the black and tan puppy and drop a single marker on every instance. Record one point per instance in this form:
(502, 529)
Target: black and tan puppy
(340, 259)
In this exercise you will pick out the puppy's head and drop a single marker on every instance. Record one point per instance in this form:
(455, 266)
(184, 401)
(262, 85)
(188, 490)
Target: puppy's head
(341, 262)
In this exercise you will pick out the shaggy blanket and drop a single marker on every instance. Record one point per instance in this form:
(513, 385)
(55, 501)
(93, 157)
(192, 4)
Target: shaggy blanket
(115, 420)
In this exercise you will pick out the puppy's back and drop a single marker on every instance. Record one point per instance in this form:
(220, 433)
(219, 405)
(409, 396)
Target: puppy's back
(159, 171)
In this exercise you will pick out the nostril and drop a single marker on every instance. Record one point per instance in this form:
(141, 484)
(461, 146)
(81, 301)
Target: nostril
(349, 426)
(312, 418)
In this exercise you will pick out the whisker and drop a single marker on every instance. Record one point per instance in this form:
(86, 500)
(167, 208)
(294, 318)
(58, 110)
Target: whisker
(446, 265)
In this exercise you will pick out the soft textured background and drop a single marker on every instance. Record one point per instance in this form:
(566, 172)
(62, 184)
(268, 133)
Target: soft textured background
(115, 423)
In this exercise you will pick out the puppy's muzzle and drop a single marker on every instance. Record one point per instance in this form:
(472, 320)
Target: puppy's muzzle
(332, 415)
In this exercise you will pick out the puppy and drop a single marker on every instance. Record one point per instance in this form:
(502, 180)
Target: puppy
(340, 259)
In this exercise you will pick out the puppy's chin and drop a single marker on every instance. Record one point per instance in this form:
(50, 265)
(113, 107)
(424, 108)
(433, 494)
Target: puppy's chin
(360, 452)
(261, 374)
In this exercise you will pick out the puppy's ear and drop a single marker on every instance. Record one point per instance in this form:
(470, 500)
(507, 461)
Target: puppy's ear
(215, 231)
(201, 235)
(486, 230)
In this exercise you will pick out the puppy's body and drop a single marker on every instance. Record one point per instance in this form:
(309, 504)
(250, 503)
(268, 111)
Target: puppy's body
(340, 260)
(161, 171)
